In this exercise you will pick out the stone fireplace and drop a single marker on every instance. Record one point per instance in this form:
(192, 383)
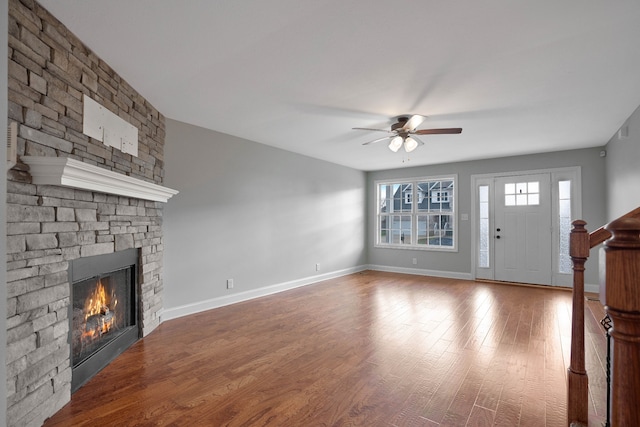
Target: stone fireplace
(53, 223)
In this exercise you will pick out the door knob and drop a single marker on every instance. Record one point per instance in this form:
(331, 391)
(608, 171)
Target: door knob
(497, 237)
(497, 229)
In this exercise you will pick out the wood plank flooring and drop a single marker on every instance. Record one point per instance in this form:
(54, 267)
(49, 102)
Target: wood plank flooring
(368, 349)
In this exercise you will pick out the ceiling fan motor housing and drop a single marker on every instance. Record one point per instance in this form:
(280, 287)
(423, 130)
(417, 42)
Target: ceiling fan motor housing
(401, 122)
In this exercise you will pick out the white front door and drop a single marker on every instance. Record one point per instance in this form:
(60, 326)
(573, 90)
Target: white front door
(522, 229)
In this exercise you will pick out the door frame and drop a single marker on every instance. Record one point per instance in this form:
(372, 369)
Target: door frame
(573, 173)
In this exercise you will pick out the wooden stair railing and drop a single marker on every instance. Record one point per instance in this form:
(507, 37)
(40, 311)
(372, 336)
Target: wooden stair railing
(622, 299)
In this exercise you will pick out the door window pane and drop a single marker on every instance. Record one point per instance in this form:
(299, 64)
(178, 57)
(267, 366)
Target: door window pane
(522, 193)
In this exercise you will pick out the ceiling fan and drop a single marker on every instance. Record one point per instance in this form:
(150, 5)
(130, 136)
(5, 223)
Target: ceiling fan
(403, 133)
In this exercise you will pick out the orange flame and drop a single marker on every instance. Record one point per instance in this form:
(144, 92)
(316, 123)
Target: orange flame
(98, 304)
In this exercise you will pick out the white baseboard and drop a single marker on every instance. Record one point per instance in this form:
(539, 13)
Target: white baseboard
(197, 307)
(187, 309)
(422, 272)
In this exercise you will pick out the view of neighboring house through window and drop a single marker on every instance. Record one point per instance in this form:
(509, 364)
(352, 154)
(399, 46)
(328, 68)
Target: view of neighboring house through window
(427, 224)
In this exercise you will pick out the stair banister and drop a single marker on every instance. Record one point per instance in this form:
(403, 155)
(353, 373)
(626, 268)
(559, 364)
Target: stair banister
(622, 304)
(578, 383)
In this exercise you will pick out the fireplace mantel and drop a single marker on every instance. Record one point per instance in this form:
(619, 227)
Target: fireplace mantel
(74, 173)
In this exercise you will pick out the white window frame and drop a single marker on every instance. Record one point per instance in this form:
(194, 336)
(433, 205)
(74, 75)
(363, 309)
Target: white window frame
(451, 197)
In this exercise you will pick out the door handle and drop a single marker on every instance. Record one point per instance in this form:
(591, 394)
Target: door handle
(497, 237)
(497, 229)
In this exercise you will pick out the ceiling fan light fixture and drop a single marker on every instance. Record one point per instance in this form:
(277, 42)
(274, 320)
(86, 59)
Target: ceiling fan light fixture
(395, 144)
(410, 144)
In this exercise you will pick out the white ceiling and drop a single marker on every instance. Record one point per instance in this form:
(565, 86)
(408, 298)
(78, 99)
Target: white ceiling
(518, 76)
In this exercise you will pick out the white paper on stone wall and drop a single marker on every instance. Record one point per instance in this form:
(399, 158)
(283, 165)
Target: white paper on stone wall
(101, 124)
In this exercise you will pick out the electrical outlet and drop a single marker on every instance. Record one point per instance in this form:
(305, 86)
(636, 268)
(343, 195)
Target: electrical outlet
(317, 267)
(229, 283)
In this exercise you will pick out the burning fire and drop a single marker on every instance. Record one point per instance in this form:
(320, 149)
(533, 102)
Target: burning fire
(99, 319)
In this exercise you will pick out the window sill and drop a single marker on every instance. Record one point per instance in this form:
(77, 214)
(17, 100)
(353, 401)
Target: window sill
(417, 248)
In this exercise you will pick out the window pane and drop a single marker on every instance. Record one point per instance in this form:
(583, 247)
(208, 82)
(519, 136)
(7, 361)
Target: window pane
(383, 235)
(405, 235)
(564, 188)
(564, 194)
(447, 239)
(483, 193)
(565, 264)
(565, 208)
(484, 210)
(422, 230)
(533, 199)
(521, 199)
(533, 187)
(440, 230)
(521, 188)
(510, 188)
(509, 200)
(483, 260)
(384, 198)
(405, 196)
(484, 243)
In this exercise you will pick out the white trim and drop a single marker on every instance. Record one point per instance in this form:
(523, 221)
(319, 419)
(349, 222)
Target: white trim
(188, 309)
(414, 212)
(421, 272)
(74, 173)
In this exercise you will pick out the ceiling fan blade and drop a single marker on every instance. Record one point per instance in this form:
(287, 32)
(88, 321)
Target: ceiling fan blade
(413, 122)
(437, 131)
(374, 130)
(376, 140)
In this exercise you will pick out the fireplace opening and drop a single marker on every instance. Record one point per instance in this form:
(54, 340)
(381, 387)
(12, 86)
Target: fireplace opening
(103, 313)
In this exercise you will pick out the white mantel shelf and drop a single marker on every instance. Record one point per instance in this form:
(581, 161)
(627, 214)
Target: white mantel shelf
(74, 173)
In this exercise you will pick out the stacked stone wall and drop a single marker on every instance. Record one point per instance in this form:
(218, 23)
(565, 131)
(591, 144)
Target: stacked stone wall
(49, 70)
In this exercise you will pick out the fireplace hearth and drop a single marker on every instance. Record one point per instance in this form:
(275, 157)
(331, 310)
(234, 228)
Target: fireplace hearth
(104, 311)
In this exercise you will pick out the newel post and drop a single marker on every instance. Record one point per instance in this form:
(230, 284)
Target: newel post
(578, 386)
(623, 306)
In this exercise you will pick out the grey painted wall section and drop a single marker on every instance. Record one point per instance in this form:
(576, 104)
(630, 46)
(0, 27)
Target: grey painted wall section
(623, 169)
(4, 46)
(253, 213)
(593, 204)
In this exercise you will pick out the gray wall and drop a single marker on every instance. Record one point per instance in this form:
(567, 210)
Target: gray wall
(4, 45)
(593, 204)
(623, 170)
(253, 213)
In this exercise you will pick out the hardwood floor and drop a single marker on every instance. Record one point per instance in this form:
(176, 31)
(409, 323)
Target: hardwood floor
(368, 349)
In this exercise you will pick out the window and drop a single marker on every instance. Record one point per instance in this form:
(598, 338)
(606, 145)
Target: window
(565, 264)
(483, 242)
(522, 193)
(428, 224)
